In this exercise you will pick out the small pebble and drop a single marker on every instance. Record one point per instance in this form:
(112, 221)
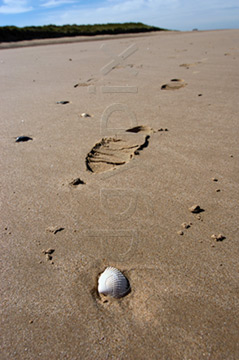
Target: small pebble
(85, 115)
(48, 257)
(218, 190)
(77, 181)
(55, 229)
(214, 179)
(23, 138)
(185, 225)
(195, 209)
(180, 232)
(231, 156)
(49, 251)
(30, 321)
(218, 237)
(63, 102)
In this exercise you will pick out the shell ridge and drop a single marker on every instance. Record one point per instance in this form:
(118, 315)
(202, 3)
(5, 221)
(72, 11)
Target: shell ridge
(112, 282)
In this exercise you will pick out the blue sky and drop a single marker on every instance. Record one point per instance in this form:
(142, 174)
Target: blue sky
(170, 14)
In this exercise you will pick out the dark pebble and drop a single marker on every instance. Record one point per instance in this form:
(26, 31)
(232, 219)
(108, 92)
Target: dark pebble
(196, 209)
(77, 181)
(64, 102)
(23, 138)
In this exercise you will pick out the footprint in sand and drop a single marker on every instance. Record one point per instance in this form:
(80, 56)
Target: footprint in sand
(187, 66)
(141, 128)
(174, 84)
(112, 152)
(87, 82)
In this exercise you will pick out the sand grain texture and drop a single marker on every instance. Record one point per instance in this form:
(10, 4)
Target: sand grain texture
(183, 302)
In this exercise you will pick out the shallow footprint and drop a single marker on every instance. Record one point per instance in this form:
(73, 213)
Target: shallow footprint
(141, 128)
(174, 84)
(187, 66)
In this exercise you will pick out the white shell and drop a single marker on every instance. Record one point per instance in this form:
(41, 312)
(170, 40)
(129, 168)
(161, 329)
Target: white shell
(85, 115)
(112, 282)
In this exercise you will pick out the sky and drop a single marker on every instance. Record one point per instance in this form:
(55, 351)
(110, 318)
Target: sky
(170, 14)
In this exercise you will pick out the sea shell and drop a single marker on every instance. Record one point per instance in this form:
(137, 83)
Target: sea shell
(112, 282)
(85, 115)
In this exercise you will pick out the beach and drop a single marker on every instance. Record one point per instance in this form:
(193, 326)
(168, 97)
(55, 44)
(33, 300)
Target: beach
(83, 193)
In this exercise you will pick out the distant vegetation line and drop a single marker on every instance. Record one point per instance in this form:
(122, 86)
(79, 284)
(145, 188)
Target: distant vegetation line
(14, 33)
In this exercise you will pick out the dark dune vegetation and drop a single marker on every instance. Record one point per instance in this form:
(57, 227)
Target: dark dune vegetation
(14, 33)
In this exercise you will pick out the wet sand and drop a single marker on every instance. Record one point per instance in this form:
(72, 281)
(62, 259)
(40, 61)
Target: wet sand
(63, 223)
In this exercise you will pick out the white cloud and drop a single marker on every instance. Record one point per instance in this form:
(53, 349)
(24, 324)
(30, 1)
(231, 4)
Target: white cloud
(148, 11)
(14, 6)
(54, 3)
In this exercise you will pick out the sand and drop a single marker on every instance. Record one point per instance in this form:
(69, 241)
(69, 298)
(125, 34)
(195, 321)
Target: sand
(62, 224)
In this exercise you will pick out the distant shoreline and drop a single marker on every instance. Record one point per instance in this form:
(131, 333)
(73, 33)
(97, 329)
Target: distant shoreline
(76, 39)
(69, 40)
(12, 34)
